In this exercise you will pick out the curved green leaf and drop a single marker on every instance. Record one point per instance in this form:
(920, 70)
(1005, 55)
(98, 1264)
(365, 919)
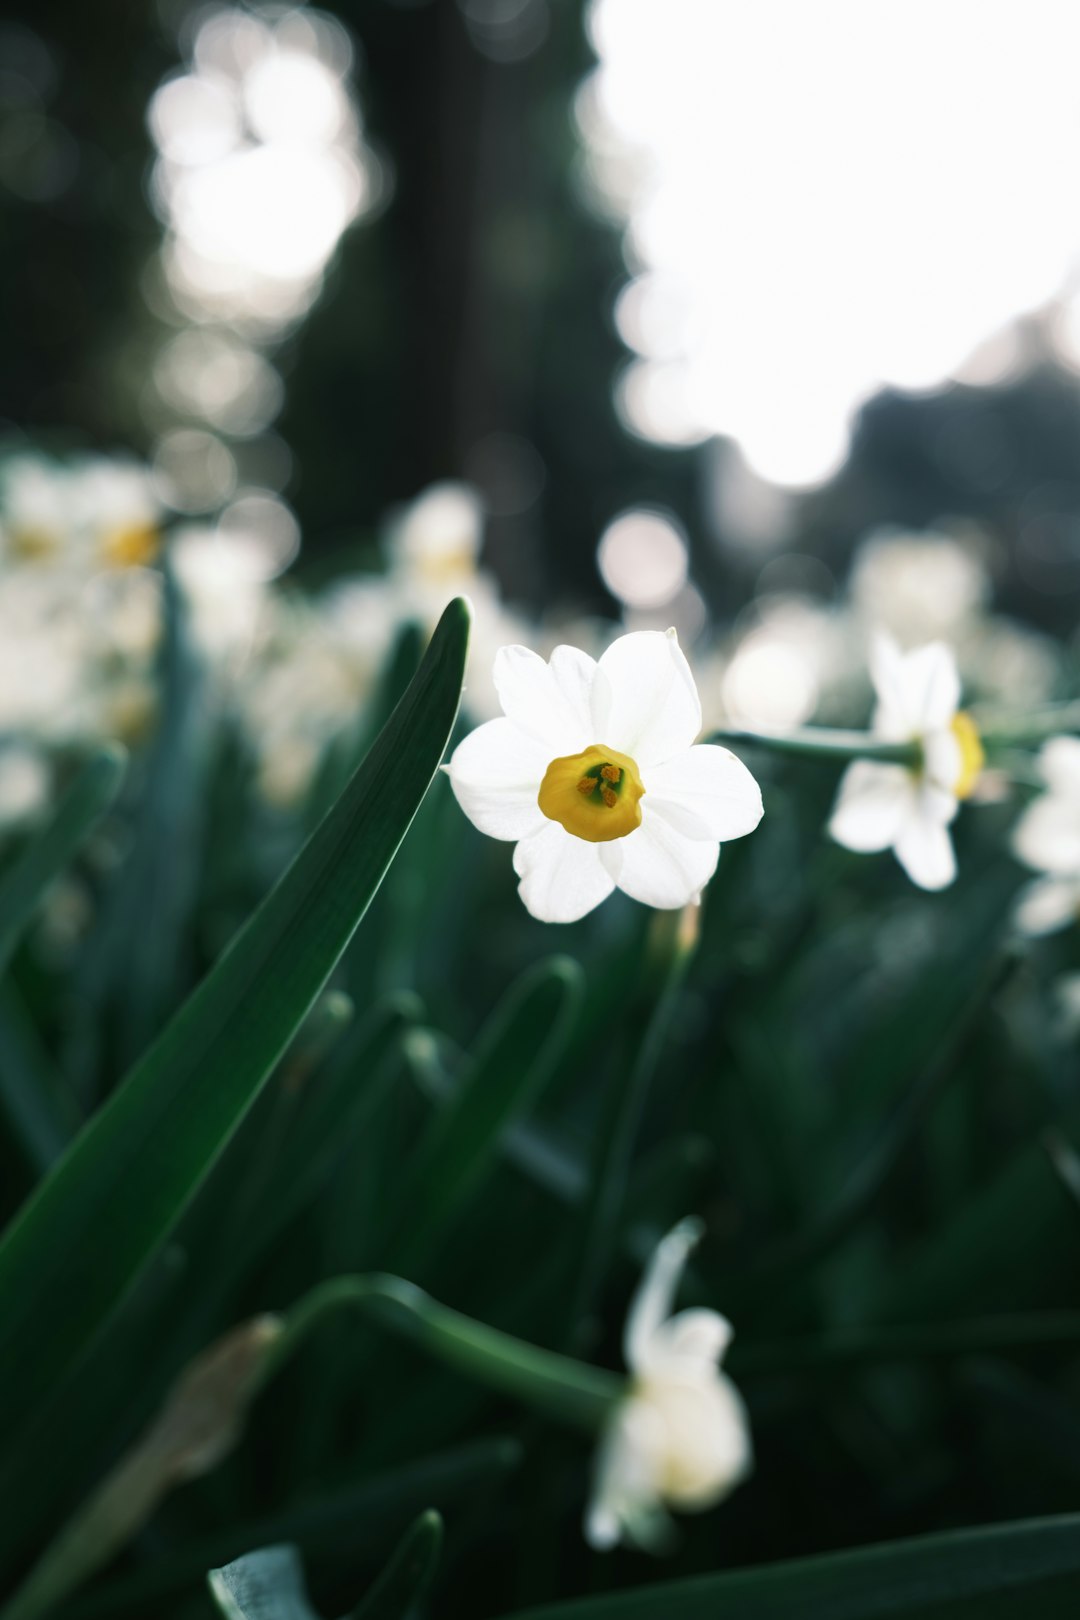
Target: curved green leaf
(408, 1574)
(269, 1585)
(49, 851)
(517, 1050)
(358, 1512)
(998, 1572)
(80, 1244)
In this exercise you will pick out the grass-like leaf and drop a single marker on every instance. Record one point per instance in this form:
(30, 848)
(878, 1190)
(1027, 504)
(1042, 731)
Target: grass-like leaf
(48, 852)
(82, 1241)
(1002, 1572)
(515, 1055)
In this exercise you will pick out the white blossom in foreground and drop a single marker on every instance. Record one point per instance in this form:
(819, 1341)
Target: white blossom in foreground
(681, 1437)
(1047, 838)
(595, 774)
(905, 808)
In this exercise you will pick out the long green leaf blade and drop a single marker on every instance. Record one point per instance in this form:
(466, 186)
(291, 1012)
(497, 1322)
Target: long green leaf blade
(998, 1572)
(81, 1242)
(522, 1042)
(408, 1574)
(49, 851)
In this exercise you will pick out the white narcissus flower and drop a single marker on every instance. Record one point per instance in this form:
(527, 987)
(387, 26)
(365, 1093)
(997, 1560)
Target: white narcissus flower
(904, 808)
(1047, 838)
(595, 774)
(681, 1437)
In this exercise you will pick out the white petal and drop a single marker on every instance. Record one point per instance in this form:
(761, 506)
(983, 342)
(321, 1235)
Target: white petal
(918, 691)
(562, 877)
(659, 865)
(550, 701)
(1048, 904)
(1047, 836)
(707, 793)
(651, 708)
(707, 1449)
(655, 1294)
(943, 758)
(933, 686)
(1059, 762)
(625, 1503)
(887, 673)
(924, 849)
(689, 1344)
(495, 773)
(872, 805)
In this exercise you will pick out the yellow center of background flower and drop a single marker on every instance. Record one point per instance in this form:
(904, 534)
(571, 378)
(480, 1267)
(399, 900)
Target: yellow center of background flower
(131, 547)
(972, 757)
(595, 795)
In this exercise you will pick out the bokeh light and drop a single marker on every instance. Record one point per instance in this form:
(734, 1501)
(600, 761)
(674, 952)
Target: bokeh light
(822, 200)
(642, 557)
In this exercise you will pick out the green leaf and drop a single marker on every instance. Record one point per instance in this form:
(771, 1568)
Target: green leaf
(1024, 1571)
(49, 851)
(82, 1241)
(572, 1391)
(356, 1513)
(41, 1114)
(269, 1585)
(408, 1574)
(515, 1056)
(266, 1585)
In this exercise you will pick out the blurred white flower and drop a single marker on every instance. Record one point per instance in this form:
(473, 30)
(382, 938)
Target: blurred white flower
(681, 1437)
(1008, 662)
(1047, 838)
(909, 809)
(25, 783)
(44, 657)
(312, 681)
(37, 513)
(917, 585)
(223, 578)
(595, 774)
(436, 540)
(115, 511)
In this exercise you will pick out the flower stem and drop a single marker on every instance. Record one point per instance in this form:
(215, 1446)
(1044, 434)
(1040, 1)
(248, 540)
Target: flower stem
(822, 742)
(568, 1390)
(1034, 727)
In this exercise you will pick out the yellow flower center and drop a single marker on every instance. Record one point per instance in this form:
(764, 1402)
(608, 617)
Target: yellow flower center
(130, 547)
(594, 795)
(972, 757)
(32, 545)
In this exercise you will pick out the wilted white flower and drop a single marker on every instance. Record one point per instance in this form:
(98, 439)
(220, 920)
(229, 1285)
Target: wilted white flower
(1047, 838)
(595, 774)
(917, 585)
(904, 808)
(681, 1437)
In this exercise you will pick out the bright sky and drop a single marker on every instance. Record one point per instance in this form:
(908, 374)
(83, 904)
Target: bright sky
(824, 198)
